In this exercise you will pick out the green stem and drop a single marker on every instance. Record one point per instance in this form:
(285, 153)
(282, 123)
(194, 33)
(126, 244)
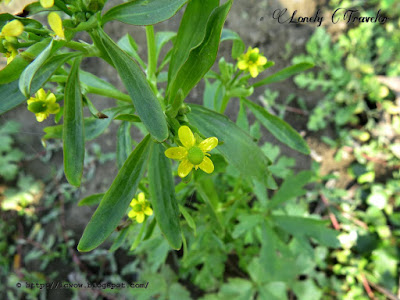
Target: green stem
(109, 93)
(151, 52)
(225, 101)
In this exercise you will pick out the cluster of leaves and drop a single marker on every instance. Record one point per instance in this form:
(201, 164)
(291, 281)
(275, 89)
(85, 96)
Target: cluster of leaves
(357, 75)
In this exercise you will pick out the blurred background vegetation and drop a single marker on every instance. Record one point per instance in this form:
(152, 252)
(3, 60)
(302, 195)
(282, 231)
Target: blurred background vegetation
(348, 110)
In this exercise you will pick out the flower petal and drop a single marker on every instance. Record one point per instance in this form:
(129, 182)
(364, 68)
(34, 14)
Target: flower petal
(255, 50)
(242, 65)
(207, 165)
(184, 168)
(253, 69)
(51, 98)
(208, 144)
(132, 214)
(178, 153)
(141, 197)
(262, 60)
(140, 217)
(13, 28)
(41, 94)
(46, 3)
(40, 117)
(186, 136)
(55, 23)
(148, 211)
(53, 108)
(133, 202)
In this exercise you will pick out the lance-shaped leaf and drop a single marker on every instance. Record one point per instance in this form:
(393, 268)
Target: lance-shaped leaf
(10, 94)
(279, 128)
(202, 57)
(143, 12)
(73, 128)
(27, 75)
(238, 147)
(284, 74)
(190, 34)
(162, 192)
(115, 202)
(238, 46)
(124, 143)
(143, 98)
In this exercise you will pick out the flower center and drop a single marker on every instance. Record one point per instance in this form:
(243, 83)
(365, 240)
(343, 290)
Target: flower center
(137, 207)
(253, 57)
(195, 155)
(37, 107)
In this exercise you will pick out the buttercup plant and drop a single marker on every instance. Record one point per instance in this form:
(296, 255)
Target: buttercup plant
(46, 75)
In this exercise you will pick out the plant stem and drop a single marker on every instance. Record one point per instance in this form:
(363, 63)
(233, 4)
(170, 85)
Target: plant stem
(63, 7)
(109, 93)
(225, 101)
(151, 52)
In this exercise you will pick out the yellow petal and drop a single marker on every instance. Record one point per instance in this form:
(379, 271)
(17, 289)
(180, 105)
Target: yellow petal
(46, 3)
(133, 202)
(184, 168)
(208, 144)
(253, 69)
(148, 211)
(207, 165)
(55, 23)
(262, 60)
(178, 153)
(141, 197)
(132, 214)
(53, 108)
(31, 100)
(13, 28)
(255, 50)
(40, 117)
(51, 98)
(41, 94)
(242, 65)
(140, 217)
(186, 136)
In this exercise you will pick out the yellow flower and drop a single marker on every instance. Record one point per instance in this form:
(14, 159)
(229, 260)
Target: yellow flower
(11, 53)
(140, 208)
(46, 3)
(11, 30)
(43, 105)
(55, 23)
(252, 61)
(193, 154)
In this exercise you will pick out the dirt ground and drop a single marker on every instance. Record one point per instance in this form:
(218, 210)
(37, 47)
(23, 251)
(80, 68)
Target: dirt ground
(253, 21)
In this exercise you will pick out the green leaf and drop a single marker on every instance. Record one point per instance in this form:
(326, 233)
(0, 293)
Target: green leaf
(238, 147)
(91, 200)
(124, 143)
(162, 193)
(128, 118)
(163, 38)
(202, 57)
(27, 75)
(284, 73)
(190, 34)
(10, 94)
(188, 218)
(73, 128)
(143, 12)
(13, 70)
(128, 44)
(115, 202)
(92, 80)
(143, 98)
(238, 46)
(299, 226)
(241, 119)
(279, 128)
(291, 187)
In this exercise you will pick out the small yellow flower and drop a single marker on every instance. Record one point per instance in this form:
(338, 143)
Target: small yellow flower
(43, 105)
(55, 23)
(193, 154)
(140, 208)
(11, 30)
(11, 53)
(252, 61)
(47, 3)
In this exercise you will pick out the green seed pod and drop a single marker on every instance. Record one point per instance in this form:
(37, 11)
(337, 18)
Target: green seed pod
(37, 107)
